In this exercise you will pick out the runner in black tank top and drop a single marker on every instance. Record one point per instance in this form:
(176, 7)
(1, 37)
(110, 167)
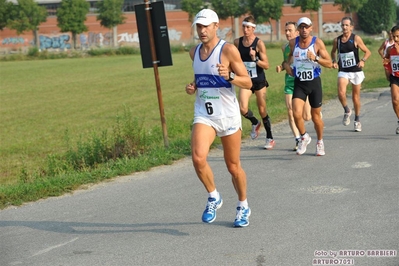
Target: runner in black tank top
(245, 56)
(253, 54)
(346, 58)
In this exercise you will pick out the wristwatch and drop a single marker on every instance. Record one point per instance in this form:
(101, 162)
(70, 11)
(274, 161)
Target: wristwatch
(232, 75)
(256, 59)
(316, 59)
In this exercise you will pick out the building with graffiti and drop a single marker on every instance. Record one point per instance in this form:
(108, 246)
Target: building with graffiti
(326, 25)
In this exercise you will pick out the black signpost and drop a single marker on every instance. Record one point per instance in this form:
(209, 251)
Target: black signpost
(154, 46)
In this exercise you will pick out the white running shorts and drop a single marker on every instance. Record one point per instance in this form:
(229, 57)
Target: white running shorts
(355, 78)
(223, 127)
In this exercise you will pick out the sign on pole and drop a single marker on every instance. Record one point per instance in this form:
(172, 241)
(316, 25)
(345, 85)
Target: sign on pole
(160, 36)
(154, 46)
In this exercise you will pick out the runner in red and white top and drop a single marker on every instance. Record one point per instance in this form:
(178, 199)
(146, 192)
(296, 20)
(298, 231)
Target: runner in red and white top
(391, 60)
(383, 50)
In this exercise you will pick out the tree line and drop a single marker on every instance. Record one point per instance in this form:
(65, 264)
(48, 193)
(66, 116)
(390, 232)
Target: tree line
(26, 15)
(374, 15)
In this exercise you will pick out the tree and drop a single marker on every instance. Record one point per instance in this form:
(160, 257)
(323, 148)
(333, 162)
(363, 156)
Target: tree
(349, 6)
(230, 9)
(307, 5)
(111, 15)
(310, 5)
(27, 15)
(192, 7)
(397, 15)
(264, 10)
(71, 16)
(377, 15)
(6, 8)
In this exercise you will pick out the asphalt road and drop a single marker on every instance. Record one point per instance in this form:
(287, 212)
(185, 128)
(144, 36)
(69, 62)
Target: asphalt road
(339, 208)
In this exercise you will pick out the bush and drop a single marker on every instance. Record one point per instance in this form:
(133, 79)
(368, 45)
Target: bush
(127, 141)
(33, 51)
(177, 48)
(102, 51)
(126, 50)
(377, 15)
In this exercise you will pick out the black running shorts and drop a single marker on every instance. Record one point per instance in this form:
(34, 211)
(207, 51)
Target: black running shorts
(394, 80)
(311, 88)
(258, 85)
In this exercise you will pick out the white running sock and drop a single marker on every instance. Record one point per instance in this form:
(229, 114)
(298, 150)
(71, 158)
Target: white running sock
(243, 203)
(214, 194)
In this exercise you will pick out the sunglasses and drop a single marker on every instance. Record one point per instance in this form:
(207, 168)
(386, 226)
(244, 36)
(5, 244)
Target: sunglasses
(301, 27)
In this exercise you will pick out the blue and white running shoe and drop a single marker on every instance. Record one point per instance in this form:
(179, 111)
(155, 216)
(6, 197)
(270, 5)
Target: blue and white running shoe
(242, 217)
(212, 205)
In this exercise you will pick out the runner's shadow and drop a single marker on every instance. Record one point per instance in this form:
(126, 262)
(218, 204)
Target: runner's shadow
(99, 228)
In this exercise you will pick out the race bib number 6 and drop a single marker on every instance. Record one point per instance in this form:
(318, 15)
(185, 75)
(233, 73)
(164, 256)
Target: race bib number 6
(212, 102)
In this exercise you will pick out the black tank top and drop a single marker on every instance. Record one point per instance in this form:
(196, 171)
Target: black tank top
(348, 55)
(244, 52)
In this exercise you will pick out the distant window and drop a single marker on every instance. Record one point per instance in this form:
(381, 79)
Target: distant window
(51, 8)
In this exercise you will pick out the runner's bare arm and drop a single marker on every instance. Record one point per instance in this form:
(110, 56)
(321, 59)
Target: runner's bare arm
(280, 68)
(287, 64)
(364, 48)
(334, 54)
(191, 88)
(324, 56)
(231, 62)
(263, 60)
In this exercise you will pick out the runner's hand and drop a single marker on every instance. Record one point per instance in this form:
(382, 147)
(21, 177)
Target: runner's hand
(191, 88)
(223, 71)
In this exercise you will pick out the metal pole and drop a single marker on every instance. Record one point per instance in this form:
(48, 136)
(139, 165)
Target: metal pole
(156, 74)
(320, 20)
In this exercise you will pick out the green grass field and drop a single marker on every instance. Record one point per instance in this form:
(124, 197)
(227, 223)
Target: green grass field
(41, 100)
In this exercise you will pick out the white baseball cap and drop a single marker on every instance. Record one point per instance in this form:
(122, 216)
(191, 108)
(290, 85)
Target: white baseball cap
(304, 20)
(206, 17)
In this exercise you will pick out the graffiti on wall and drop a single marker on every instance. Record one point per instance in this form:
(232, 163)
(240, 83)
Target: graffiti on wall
(14, 40)
(332, 27)
(89, 39)
(64, 41)
(99, 39)
(174, 35)
(222, 33)
(263, 29)
(55, 42)
(127, 37)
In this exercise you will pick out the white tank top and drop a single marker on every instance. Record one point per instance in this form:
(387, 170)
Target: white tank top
(304, 68)
(216, 97)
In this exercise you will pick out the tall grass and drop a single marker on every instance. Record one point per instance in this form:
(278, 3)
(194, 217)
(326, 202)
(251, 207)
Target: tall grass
(65, 123)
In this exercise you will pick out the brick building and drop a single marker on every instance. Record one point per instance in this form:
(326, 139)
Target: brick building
(326, 25)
